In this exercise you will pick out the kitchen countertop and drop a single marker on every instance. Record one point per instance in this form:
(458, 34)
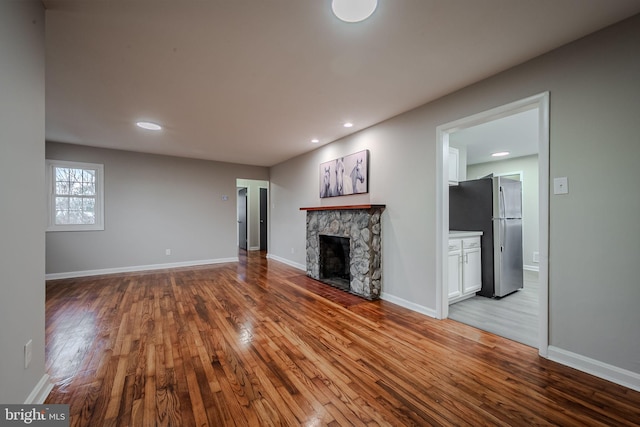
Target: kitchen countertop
(462, 233)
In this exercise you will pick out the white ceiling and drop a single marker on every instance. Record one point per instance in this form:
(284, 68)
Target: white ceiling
(517, 134)
(253, 81)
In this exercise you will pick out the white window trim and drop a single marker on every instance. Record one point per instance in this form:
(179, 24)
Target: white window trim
(99, 207)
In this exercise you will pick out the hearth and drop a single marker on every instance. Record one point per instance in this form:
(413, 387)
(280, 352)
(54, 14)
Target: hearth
(335, 261)
(355, 230)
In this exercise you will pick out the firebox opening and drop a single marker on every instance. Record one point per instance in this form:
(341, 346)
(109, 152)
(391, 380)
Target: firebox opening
(335, 261)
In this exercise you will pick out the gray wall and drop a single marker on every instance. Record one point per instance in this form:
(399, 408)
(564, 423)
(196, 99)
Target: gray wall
(21, 189)
(152, 203)
(594, 237)
(528, 165)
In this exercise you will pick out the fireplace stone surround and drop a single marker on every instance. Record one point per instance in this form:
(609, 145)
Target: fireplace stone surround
(362, 226)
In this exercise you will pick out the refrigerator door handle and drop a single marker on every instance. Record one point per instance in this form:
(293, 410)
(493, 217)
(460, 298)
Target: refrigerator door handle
(502, 213)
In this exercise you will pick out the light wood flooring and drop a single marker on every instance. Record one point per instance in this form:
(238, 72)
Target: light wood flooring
(255, 343)
(514, 316)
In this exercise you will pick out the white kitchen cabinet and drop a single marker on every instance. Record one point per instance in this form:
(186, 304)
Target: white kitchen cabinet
(471, 267)
(454, 166)
(455, 270)
(465, 270)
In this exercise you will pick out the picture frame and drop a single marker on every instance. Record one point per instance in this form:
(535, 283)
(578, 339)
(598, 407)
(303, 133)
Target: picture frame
(345, 176)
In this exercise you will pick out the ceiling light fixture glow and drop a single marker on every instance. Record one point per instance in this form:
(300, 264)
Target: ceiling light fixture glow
(348, 125)
(148, 125)
(500, 154)
(315, 140)
(353, 10)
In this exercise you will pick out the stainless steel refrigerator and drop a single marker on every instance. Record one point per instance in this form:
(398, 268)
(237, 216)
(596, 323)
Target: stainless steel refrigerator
(492, 205)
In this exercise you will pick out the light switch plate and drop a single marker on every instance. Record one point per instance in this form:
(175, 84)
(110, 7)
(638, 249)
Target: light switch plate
(560, 185)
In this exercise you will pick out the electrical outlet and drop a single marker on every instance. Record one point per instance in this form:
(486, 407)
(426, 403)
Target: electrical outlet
(293, 250)
(28, 353)
(536, 257)
(167, 251)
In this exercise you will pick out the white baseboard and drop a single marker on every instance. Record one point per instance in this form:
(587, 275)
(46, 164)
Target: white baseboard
(254, 248)
(531, 268)
(387, 297)
(595, 367)
(40, 391)
(290, 263)
(408, 304)
(135, 268)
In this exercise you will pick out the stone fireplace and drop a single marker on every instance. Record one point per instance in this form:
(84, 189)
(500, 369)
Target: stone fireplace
(344, 248)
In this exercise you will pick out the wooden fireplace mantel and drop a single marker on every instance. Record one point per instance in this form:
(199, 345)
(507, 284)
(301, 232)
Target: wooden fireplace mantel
(341, 208)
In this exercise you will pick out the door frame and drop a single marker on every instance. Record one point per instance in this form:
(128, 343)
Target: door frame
(264, 216)
(254, 187)
(246, 217)
(541, 102)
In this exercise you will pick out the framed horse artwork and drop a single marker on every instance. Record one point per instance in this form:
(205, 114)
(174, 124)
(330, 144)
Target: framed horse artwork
(345, 175)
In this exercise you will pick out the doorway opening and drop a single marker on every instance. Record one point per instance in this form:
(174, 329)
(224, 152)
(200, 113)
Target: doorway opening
(446, 134)
(253, 225)
(242, 218)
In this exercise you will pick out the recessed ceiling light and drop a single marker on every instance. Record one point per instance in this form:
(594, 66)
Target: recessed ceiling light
(148, 125)
(315, 140)
(500, 154)
(353, 10)
(348, 125)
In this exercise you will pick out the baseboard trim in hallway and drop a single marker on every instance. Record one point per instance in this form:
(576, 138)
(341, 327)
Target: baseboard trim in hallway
(136, 268)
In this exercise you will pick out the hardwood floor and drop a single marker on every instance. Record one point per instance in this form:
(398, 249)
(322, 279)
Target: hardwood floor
(255, 343)
(515, 316)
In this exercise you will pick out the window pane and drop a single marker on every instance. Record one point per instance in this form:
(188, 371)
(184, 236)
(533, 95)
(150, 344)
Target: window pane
(88, 182)
(75, 210)
(62, 217)
(75, 217)
(62, 180)
(88, 175)
(88, 188)
(88, 211)
(88, 217)
(88, 204)
(62, 174)
(62, 210)
(62, 187)
(76, 188)
(75, 175)
(75, 203)
(62, 203)
(75, 181)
